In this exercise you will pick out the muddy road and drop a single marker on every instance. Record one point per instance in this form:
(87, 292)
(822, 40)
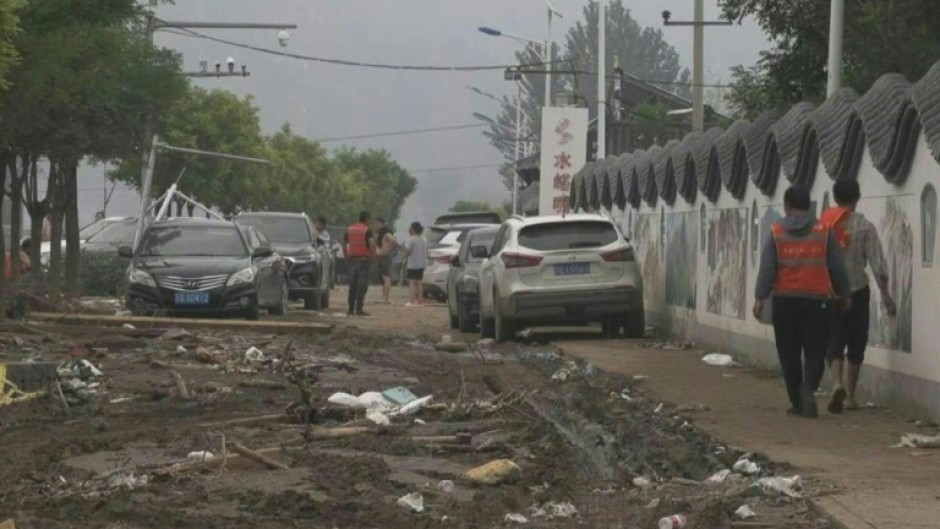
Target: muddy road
(140, 447)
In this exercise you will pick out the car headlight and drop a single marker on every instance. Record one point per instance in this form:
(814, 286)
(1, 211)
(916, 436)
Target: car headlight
(242, 277)
(140, 277)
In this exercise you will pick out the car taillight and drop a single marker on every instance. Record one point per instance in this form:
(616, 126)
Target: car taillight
(518, 260)
(619, 256)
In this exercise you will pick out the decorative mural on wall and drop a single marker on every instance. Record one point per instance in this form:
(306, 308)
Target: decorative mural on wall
(890, 217)
(681, 259)
(646, 245)
(727, 262)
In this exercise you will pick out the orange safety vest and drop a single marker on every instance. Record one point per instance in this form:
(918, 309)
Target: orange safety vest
(357, 246)
(834, 219)
(801, 262)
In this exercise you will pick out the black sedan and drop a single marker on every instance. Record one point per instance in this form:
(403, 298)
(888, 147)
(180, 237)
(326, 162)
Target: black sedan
(204, 267)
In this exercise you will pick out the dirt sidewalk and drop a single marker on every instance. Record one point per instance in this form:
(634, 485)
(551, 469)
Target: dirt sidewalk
(878, 487)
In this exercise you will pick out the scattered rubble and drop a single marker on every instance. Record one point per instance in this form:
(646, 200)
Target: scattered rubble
(914, 440)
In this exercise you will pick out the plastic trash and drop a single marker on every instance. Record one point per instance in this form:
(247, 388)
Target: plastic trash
(561, 375)
(625, 395)
(493, 473)
(914, 440)
(128, 481)
(413, 501)
(516, 518)
(345, 399)
(446, 486)
(128, 326)
(399, 395)
(373, 400)
(745, 512)
(413, 406)
(180, 349)
(786, 486)
(718, 477)
(378, 418)
(676, 521)
(200, 456)
(253, 354)
(716, 359)
(641, 482)
(553, 510)
(746, 466)
(589, 370)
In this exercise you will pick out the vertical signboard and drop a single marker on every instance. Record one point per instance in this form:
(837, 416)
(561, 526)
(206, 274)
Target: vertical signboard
(564, 149)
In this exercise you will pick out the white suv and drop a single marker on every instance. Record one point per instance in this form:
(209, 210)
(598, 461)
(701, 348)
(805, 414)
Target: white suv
(560, 269)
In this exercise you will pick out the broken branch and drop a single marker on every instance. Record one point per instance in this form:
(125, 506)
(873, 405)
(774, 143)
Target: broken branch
(255, 456)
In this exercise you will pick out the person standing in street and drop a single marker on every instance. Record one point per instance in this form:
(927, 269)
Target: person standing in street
(360, 249)
(321, 235)
(861, 247)
(416, 260)
(385, 249)
(802, 267)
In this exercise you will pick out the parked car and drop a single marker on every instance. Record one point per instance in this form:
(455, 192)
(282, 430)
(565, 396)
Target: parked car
(463, 280)
(86, 233)
(310, 267)
(473, 217)
(113, 236)
(202, 267)
(560, 270)
(443, 244)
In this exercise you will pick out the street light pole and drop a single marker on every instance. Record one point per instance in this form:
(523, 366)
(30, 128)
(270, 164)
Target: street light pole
(601, 79)
(836, 23)
(698, 68)
(515, 170)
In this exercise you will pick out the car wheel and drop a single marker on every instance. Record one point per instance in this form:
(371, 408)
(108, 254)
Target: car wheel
(281, 308)
(325, 300)
(610, 327)
(312, 301)
(634, 324)
(254, 313)
(504, 329)
(463, 319)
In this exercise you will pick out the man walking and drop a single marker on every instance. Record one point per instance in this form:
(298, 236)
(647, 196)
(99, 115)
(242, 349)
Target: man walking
(360, 248)
(861, 247)
(386, 246)
(802, 266)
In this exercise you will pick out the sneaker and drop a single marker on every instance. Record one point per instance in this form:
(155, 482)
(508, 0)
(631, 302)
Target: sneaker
(808, 405)
(838, 400)
(851, 405)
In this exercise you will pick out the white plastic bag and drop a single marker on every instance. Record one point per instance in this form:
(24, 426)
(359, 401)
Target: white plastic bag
(745, 512)
(746, 466)
(718, 477)
(413, 501)
(786, 486)
(717, 359)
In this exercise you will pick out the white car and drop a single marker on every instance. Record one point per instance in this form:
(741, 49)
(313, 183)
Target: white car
(443, 244)
(87, 232)
(558, 270)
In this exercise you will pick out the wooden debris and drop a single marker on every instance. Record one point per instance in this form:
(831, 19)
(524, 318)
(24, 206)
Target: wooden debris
(180, 385)
(451, 347)
(256, 456)
(9, 524)
(262, 384)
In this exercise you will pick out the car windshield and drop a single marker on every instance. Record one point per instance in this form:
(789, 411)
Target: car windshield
(289, 230)
(568, 235)
(115, 233)
(194, 241)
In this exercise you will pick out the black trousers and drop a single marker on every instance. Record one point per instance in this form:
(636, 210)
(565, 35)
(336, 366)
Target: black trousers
(801, 329)
(358, 282)
(849, 332)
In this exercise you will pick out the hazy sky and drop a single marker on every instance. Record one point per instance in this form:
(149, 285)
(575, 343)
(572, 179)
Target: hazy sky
(322, 101)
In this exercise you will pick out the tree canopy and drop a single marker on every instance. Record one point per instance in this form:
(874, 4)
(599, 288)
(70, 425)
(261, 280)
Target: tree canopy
(881, 36)
(473, 206)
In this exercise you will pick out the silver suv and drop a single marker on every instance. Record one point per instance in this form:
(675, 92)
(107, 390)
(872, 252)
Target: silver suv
(556, 270)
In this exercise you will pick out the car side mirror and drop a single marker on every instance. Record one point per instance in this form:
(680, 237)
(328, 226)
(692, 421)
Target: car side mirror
(479, 252)
(126, 251)
(455, 261)
(261, 252)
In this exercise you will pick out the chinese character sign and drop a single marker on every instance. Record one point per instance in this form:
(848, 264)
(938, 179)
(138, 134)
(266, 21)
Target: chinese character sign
(564, 149)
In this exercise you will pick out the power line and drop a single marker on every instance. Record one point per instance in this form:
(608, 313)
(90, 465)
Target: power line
(341, 62)
(464, 168)
(401, 132)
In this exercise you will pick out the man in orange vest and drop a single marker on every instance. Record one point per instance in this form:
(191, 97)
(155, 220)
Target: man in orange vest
(360, 249)
(802, 266)
(861, 247)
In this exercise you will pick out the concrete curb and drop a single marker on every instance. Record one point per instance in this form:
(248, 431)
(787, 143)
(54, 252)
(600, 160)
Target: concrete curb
(841, 517)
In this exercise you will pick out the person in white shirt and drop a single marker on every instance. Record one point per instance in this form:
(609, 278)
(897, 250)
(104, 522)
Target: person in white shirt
(416, 260)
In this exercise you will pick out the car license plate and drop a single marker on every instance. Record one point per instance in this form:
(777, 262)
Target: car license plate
(191, 298)
(572, 269)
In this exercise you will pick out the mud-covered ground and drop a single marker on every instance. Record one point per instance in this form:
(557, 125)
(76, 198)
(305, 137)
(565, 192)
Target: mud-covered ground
(593, 450)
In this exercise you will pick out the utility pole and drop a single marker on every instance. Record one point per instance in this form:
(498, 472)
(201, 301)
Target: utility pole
(698, 59)
(601, 79)
(548, 53)
(836, 28)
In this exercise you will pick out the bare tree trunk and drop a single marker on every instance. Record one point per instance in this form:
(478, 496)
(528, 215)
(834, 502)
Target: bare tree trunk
(3, 276)
(18, 174)
(55, 240)
(37, 213)
(72, 243)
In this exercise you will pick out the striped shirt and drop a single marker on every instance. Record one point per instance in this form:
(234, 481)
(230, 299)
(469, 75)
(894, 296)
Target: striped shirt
(864, 249)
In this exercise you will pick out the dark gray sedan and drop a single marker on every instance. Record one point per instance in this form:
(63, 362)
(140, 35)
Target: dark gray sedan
(463, 294)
